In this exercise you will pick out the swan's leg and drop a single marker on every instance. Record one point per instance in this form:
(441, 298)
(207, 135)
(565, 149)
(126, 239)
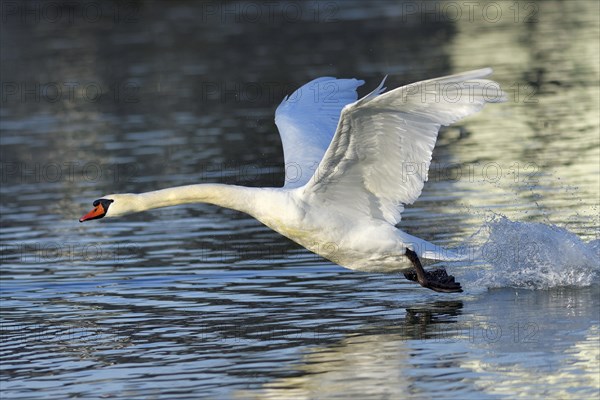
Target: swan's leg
(437, 280)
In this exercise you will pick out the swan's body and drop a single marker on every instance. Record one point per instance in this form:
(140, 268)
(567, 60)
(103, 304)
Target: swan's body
(350, 168)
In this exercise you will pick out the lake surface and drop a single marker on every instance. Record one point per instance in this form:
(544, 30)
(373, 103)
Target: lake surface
(201, 302)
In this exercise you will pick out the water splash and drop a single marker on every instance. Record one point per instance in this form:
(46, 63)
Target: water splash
(529, 255)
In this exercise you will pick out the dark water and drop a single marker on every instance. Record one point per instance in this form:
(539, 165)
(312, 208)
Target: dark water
(202, 302)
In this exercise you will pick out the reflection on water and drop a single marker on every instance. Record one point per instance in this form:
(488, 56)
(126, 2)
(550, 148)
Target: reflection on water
(198, 301)
(440, 354)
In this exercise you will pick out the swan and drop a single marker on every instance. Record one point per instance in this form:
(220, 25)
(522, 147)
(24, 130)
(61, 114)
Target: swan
(350, 167)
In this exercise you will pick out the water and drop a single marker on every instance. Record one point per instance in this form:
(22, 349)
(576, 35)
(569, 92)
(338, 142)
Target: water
(201, 302)
(529, 254)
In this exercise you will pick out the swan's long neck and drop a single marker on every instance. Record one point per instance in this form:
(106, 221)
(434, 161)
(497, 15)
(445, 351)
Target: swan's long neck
(235, 197)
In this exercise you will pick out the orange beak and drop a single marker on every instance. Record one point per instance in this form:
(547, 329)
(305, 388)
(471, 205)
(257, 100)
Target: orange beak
(97, 212)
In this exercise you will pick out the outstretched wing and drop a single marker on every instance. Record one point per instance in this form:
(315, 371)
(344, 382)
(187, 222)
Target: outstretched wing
(307, 120)
(379, 157)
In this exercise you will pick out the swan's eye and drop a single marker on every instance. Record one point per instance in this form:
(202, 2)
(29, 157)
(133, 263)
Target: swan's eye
(99, 211)
(104, 202)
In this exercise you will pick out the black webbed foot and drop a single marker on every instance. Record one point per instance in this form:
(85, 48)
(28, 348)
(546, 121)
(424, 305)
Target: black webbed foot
(437, 279)
(440, 281)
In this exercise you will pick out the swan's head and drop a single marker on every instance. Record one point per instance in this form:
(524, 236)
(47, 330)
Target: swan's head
(112, 205)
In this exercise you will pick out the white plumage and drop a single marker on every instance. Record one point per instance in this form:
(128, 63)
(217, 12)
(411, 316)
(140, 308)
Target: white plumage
(351, 166)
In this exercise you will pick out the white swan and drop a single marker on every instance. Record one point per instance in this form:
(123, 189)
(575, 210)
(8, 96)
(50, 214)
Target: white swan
(351, 166)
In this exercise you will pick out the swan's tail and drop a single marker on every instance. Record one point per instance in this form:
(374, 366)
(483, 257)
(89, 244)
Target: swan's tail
(425, 249)
(441, 254)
